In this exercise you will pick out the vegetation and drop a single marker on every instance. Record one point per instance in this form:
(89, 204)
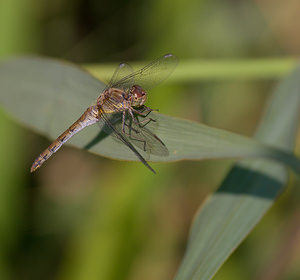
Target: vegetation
(85, 216)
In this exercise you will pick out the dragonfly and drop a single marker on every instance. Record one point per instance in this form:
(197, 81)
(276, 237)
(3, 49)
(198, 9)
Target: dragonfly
(121, 111)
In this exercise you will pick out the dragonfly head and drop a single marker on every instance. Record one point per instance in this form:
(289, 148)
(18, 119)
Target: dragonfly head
(138, 96)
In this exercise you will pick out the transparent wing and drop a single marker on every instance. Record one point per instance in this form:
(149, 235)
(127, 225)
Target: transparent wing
(113, 129)
(151, 75)
(137, 134)
(121, 72)
(146, 140)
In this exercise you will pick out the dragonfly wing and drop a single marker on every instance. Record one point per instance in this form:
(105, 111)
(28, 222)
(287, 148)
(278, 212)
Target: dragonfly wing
(150, 75)
(121, 72)
(113, 129)
(153, 144)
(140, 136)
(145, 139)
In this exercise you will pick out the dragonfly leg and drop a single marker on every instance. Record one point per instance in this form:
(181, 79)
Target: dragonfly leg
(144, 115)
(137, 121)
(150, 109)
(134, 138)
(136, 131)
(144, 122)
(123, 121)
(130, 128)
(133, 117)
(146, 111)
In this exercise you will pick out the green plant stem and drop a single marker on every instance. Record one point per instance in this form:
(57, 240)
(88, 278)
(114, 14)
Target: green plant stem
(189, 71)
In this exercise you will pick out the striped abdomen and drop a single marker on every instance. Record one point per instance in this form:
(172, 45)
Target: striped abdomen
(89, 117)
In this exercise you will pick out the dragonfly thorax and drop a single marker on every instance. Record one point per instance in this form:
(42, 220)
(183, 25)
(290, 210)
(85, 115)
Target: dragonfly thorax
(137, 96)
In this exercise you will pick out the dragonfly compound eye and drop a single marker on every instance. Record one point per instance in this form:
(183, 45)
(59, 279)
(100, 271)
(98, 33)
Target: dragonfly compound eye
(139, 95)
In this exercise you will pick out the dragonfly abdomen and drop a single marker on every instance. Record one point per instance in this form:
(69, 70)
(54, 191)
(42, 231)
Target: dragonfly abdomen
(89, 117)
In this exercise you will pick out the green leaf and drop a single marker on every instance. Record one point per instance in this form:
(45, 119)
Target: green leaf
(48, 96)
(248, 191)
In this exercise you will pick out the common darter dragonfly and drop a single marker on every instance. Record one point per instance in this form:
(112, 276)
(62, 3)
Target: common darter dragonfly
(121, 112)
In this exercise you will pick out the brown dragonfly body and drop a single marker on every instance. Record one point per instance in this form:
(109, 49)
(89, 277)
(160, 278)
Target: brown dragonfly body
(124, 96)
(110, 101)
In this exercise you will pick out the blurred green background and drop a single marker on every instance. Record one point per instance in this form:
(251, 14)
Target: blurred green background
(87, 217)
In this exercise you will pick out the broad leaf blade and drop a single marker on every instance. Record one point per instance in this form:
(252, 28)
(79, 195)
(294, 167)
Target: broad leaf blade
(246, 194)
(48, 96)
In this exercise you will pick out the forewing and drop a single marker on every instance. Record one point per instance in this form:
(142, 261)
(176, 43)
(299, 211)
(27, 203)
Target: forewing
(122, 71)
(151, 75)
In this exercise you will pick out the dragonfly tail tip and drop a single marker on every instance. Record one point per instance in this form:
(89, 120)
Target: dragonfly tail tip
(33, 168)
